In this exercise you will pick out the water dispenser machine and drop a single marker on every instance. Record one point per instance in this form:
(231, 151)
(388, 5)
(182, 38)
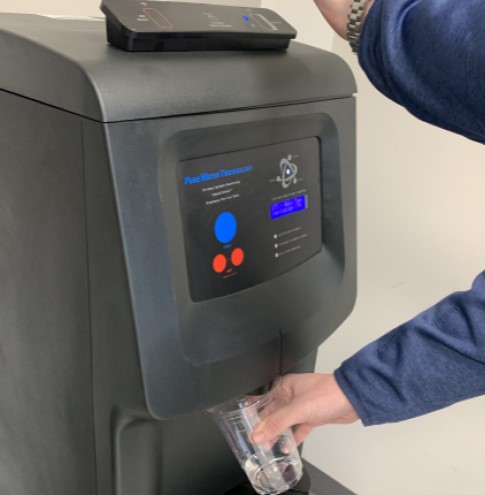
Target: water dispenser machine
(177, 228)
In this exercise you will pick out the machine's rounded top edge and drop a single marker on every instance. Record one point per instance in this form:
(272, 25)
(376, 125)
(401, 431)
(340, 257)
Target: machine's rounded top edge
(67, 63)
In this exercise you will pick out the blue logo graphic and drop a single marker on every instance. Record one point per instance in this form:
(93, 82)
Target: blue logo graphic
(289, 172)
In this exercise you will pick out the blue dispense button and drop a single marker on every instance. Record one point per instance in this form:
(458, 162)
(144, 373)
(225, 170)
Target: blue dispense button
(226, 227)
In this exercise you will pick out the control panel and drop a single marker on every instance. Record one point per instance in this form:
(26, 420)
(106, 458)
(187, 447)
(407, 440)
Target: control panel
(136, 25)
(249, 216)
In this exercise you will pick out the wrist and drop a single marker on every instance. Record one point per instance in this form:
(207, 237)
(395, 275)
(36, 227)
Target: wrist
(335, 13)
(347, 414)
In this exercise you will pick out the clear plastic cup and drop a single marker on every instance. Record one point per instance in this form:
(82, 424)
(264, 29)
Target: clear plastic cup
(271, 468)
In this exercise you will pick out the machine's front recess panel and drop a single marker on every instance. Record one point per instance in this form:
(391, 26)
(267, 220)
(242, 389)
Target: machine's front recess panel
(250, 215)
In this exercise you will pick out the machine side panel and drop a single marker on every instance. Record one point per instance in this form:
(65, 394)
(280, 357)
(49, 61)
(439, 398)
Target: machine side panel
(46, 410)
(117, 388)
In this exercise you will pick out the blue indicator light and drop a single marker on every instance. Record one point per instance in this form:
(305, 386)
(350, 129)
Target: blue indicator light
(246, 18)
(226, 227)
(288, 207)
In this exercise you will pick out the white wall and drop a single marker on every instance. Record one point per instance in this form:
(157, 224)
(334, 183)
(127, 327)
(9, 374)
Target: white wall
(85, 7)
(58, 7)
(421, 236)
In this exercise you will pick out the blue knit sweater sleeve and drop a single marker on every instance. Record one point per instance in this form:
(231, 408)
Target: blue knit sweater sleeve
(428, 363)
(428, 56)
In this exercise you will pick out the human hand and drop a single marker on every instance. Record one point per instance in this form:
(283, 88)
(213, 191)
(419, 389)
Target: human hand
(308, 400)
(336, 13)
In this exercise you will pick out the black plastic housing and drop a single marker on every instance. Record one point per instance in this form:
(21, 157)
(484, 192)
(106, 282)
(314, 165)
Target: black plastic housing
(106, 363)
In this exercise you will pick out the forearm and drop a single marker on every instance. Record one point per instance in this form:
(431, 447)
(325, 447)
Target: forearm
(431, 362)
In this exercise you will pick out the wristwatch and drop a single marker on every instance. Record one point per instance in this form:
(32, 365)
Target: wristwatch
(354, 23)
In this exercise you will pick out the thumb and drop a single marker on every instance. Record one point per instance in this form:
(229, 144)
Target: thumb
(274, 425)
(301, 433)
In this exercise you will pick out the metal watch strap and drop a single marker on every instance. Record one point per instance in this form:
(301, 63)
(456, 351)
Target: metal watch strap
(354, 23)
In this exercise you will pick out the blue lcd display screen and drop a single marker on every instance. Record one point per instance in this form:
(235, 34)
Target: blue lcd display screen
(288, 207)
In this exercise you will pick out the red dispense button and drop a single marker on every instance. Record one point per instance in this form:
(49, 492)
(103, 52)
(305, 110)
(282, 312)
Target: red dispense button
(219, 263)
(237, 257)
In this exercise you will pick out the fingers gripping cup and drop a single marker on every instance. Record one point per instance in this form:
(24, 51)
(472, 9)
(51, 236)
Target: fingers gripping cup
(272, 468)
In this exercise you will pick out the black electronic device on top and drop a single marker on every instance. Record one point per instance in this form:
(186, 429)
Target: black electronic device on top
(138, 25)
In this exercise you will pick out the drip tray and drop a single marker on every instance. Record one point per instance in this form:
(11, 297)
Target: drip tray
(314, 482)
